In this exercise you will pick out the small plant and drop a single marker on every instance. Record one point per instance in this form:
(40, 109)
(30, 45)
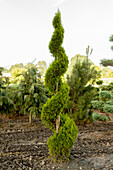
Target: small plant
(108, 108)
(105, 95)
(107, 87)
(99, 117)
(105, 104)
(97, 104)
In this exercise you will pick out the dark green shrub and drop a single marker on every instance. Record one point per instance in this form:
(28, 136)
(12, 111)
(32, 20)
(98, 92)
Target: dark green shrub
(99, 117)
(96, 94)
(110, 87)
(99, 82)
(108, 108)
(97, 104)
(104, 87)
(105, 95)
(81, 93)
(83, 112)
(29, 95)
(13, 95)
(107, 87)
(6, 104)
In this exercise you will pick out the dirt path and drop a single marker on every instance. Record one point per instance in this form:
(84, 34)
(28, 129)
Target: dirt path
(23, 146)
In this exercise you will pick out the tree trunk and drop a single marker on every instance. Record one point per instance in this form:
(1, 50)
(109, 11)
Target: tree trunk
(58, 118)
(58, 124)
(30, 118)
(70, 110)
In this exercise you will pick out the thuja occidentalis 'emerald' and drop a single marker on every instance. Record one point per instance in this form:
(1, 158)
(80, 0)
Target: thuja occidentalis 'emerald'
(64, 128)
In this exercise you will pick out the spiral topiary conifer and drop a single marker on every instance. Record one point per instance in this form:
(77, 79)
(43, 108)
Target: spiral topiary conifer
(64, 128)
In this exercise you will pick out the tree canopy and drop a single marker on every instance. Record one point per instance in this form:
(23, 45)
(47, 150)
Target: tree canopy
(108, 62)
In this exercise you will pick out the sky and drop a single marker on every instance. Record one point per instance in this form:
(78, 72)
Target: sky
(26, 29)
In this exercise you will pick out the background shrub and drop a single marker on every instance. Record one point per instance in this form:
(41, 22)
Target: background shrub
(99, 117)
(105, 95)
(99, 82)
(108, 108)
(97, 104)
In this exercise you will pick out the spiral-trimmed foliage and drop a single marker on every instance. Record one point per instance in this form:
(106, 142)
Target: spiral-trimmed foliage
(60, 143)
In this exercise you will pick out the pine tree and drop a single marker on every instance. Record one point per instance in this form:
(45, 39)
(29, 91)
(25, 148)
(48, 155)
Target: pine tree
(81, 93)
(31, 93)
(64, 128)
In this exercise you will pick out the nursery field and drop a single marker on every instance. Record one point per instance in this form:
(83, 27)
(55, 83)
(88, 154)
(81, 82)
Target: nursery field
(24, 146)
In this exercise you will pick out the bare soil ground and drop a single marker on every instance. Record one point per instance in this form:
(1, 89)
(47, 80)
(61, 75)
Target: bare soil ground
(24, 146)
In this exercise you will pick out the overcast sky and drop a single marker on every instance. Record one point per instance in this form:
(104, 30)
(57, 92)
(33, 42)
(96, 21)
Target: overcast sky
(26, 29)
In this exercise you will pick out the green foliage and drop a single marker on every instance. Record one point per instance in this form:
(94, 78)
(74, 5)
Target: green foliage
(12, 93)
(55, 105)
(81, 93)
(109, 102)
(60, 143)
(110, 87)
(105, 95)
(30, 95)
(17, 75)
(99, 82)
(107, 87)
(73, 61)
(99, 117)
(108, 108)
(6, 104)
(20, 65)
(87, 51)
(32, 92)
(18, 70)
(82, 109)
(105, 103)
(97, 104)
(81, 59)
(106, 62)
(1, 79)
(56, 70)
(111, 38)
